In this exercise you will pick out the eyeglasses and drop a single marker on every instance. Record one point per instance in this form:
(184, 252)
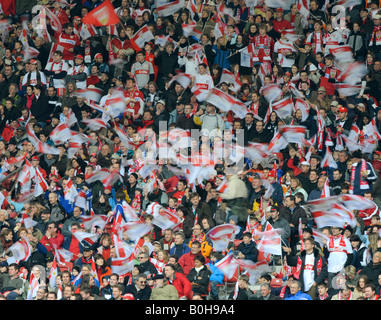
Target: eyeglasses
(144, 282)
(140, 257)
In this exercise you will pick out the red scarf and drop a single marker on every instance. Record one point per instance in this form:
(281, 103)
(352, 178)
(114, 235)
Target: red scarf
(324, 296)
(340, 297)
(319, 265)
(201, 239)
(376, 32)
(342, 243)
(136, 204)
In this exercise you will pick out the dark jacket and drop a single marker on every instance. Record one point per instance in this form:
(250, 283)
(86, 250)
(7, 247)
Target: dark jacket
(144, 294)
(249, 250)
(40, 108)
(148, 267)
(320, 275)
(200, 279)
(294, 217)
(372, 271)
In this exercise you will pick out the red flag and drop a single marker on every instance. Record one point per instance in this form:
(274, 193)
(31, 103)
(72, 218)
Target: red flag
(103, 15)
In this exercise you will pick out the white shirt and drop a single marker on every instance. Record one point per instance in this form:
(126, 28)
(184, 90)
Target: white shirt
(337, 259)
(309, 273)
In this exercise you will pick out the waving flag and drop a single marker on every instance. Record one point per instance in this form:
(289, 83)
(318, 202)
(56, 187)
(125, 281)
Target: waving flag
(328, 161)
(60, 134)
(342, 53)
(95, 124)
(70, 192)
(227, 265)
(277, 143)
(142, 36)
(122, 249)
(170, 8)
(190, 30)
(184, 79)
(53, 273)
(41, 184)
(135, 230)
(270, 242)
(63, 255)
(226, 102)
(87, 237)
(271, 92)
(293, 133)
(93, 94)
(222, 235)
(284, 108)
(33, 287)
(102, 15)
(165, 219)
(325, 192)
(21, 250)
(303, 106)
(229, 77)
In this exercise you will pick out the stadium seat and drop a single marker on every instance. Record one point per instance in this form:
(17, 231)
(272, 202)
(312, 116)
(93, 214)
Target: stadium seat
(65, 266)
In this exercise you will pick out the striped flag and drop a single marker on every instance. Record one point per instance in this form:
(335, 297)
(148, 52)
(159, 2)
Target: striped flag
(222, 235)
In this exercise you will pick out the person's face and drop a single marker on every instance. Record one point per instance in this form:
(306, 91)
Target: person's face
(66, 279)
(113, 280)
(67, 292)
(377, 66)
(168, 271)
(376, 258)
(194, 248)
(141, 283)
(259, 126)
(249, 118)
(335, 231)
(12, 271)
(142, 258)
(242, 284)
(195, 201)
(313, 176)
(294, 288)
(178, 239)
(116, 292)
(265, 291)
(322, 290)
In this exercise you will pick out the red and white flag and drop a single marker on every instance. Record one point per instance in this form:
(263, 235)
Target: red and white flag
(277, 143)
(271, 92)
(170, 8)
(53, 273)
(41, 184)
(303, 106)
(325, 192)
(87, 31)
(81, 200)
(342, 53)
(60, 134)
(135, 230)
(292, 133)
(63, 255)
(222, 235)
(142, 36)
(165, 219)
(87, 237)
(53, 48)
(21, 250)
(102, 15)
(93, 94)
(33, 287)
(184, 79)
(228, 77)
(95, 124)
(284, 108)
(190, 30)
(70, 191)
(226, 102)
(328, 161)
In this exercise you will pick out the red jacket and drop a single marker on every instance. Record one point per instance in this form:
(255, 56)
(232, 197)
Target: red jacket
(186, 261)
(182, 285)
(49, 244)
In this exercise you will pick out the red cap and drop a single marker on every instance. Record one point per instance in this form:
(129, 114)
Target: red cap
(128, 296)
(35, 158)
(272, 173)
(33, 61)
(79, 56)
(279, 9)
(343, 109)
(98, 55)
